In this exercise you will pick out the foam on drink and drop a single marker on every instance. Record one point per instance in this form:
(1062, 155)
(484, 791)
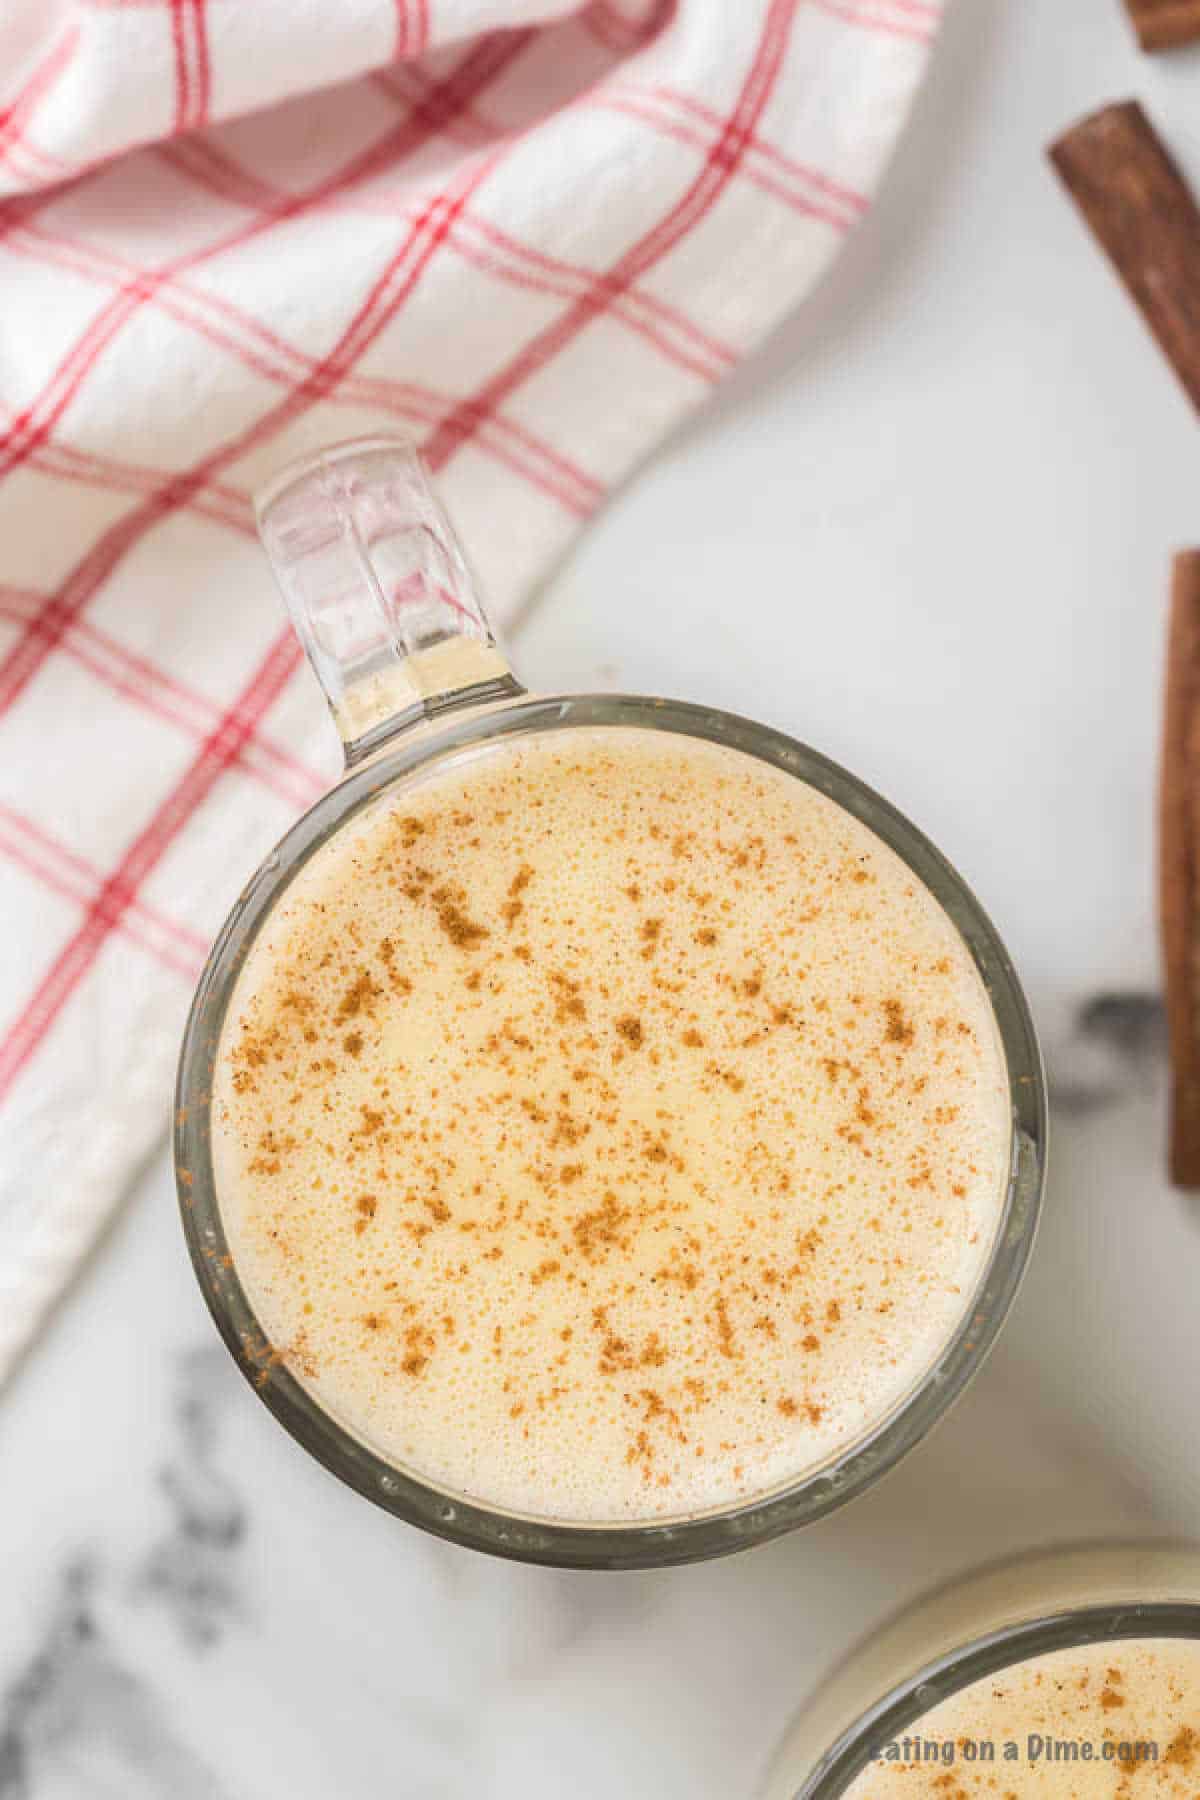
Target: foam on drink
(609, 1127)
(1106, 1721)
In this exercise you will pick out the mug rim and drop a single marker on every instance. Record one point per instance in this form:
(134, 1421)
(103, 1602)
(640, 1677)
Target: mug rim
(580, 1544)
(907, 1702)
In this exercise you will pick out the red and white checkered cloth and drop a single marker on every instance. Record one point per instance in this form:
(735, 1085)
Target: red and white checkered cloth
(533, 233)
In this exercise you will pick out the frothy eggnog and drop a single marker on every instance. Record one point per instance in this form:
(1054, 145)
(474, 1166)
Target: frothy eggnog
(1108, 1721)
(609, 1126)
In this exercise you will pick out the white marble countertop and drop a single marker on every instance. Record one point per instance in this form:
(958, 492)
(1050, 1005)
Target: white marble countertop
(928, 532)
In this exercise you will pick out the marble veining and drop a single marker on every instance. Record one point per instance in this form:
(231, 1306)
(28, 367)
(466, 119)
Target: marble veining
(911, 534)
(191, 1569)
(80, 1716)
(1114, 1050)
(79, 1720)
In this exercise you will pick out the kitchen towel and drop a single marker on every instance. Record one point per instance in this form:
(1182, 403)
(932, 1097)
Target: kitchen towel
(531, 233)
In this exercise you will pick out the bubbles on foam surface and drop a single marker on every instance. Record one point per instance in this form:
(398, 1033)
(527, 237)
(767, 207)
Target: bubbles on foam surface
(1118, 1693)
(611, 1128)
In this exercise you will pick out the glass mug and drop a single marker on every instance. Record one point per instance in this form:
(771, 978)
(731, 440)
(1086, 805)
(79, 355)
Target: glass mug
(973, 1629)
(381, 597)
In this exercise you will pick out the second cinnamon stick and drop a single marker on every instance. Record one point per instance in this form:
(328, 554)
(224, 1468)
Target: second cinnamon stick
(1179, 865)
(1165, 24)
(1143, 213)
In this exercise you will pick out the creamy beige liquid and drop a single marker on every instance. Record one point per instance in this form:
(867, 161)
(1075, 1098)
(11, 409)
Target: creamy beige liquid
(1111, 1721)
(1029, 1697)
(609, 1127)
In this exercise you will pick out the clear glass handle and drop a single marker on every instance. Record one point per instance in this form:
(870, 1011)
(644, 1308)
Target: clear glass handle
(379, 591)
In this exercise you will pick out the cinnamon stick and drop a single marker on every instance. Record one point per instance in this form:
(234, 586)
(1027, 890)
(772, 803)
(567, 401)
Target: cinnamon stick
(1165, 24)
(1179, 866)
(1145, 217)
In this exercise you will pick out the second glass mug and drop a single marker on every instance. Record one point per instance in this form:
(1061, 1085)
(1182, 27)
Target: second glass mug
(966, 1637)
(383, 602)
